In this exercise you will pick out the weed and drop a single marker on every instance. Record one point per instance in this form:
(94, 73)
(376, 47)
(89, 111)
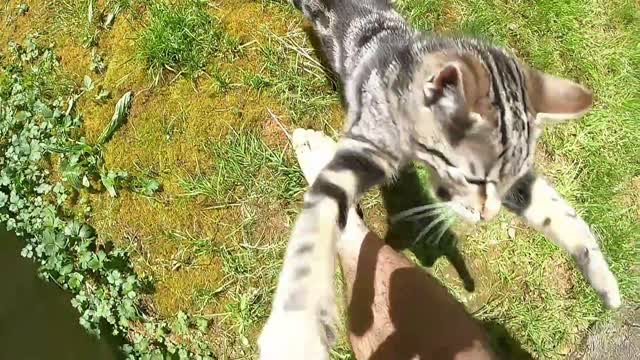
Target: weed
(256, 81)
(172, 124)
(102, 96)
(23, 9)
(97, 65)
(221, 80)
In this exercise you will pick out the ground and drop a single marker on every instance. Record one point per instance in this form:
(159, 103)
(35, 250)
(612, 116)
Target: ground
(206, 123)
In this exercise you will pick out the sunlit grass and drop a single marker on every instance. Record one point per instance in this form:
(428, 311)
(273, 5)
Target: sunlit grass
(214, 237)
(246, 169)
(182, 38)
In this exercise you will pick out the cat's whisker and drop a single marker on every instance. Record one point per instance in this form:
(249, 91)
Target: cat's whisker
(426, 214)
(435, 222)
(443, 229)
(407, 213)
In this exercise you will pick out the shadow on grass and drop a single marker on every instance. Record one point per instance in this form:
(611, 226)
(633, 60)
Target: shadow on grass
(418, 317)
(503, 343)
(408, 192)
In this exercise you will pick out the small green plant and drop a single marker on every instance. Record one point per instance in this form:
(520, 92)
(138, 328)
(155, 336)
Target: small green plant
(182, 38)
(256, 81)
(38, 129)
(102, 96)
(173, 123)
(23, 9)
(221, 80)
(97, 65)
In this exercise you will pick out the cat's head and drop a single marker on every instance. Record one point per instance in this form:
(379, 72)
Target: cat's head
(489, 111)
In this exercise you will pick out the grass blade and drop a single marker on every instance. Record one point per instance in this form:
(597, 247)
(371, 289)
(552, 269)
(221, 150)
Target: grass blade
(90, 12)
(119, 117)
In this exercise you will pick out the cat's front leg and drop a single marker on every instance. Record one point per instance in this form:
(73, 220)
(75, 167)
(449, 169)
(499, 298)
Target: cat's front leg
(546, 211)
(303, 313)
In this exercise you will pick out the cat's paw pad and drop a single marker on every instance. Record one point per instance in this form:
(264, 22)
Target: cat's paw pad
(293, 335)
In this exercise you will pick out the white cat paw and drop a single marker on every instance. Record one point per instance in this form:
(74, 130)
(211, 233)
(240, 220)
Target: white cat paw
(608, 290)
(314, 150)
(597, 273)
(293, 335)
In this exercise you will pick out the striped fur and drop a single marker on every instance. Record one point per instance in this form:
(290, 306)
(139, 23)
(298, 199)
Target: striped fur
(468, 110)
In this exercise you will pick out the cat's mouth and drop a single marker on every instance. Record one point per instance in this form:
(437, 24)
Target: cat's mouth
(466, 213)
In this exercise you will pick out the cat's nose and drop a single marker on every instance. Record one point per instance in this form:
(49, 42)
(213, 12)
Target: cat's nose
(490, 210)
(492, 203)
(486, 215)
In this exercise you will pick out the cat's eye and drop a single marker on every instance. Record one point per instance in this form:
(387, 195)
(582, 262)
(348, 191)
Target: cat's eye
(476, 181)
(479, 181)
(443, 194)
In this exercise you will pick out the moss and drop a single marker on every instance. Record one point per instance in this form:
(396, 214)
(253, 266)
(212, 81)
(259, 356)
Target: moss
(15, 27)
(245, 19)
(167, 135)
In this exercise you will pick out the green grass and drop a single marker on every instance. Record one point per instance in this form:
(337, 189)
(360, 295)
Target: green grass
(182, 37)
(247, 169)
(297, 77)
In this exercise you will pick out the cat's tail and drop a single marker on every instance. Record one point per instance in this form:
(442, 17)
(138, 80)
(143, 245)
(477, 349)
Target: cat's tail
(305, 294)
(314, 10)
(297, 4)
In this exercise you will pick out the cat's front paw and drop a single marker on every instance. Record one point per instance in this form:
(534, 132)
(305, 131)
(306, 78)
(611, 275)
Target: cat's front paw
(612, 299)
(293, 335)
(607, 287)
(596, 271)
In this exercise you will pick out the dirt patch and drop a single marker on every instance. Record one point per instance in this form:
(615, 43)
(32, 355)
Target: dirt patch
(615, 338)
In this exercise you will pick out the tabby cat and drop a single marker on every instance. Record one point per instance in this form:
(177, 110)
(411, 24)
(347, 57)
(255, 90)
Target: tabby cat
(468, 110)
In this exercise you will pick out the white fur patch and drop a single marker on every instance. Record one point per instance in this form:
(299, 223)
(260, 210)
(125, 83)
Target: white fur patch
(553, 216)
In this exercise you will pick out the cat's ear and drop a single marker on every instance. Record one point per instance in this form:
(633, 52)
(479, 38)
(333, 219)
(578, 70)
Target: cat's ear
(556, 99)
(448, 76)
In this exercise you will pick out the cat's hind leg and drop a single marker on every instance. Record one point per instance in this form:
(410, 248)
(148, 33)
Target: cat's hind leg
(545, 210)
